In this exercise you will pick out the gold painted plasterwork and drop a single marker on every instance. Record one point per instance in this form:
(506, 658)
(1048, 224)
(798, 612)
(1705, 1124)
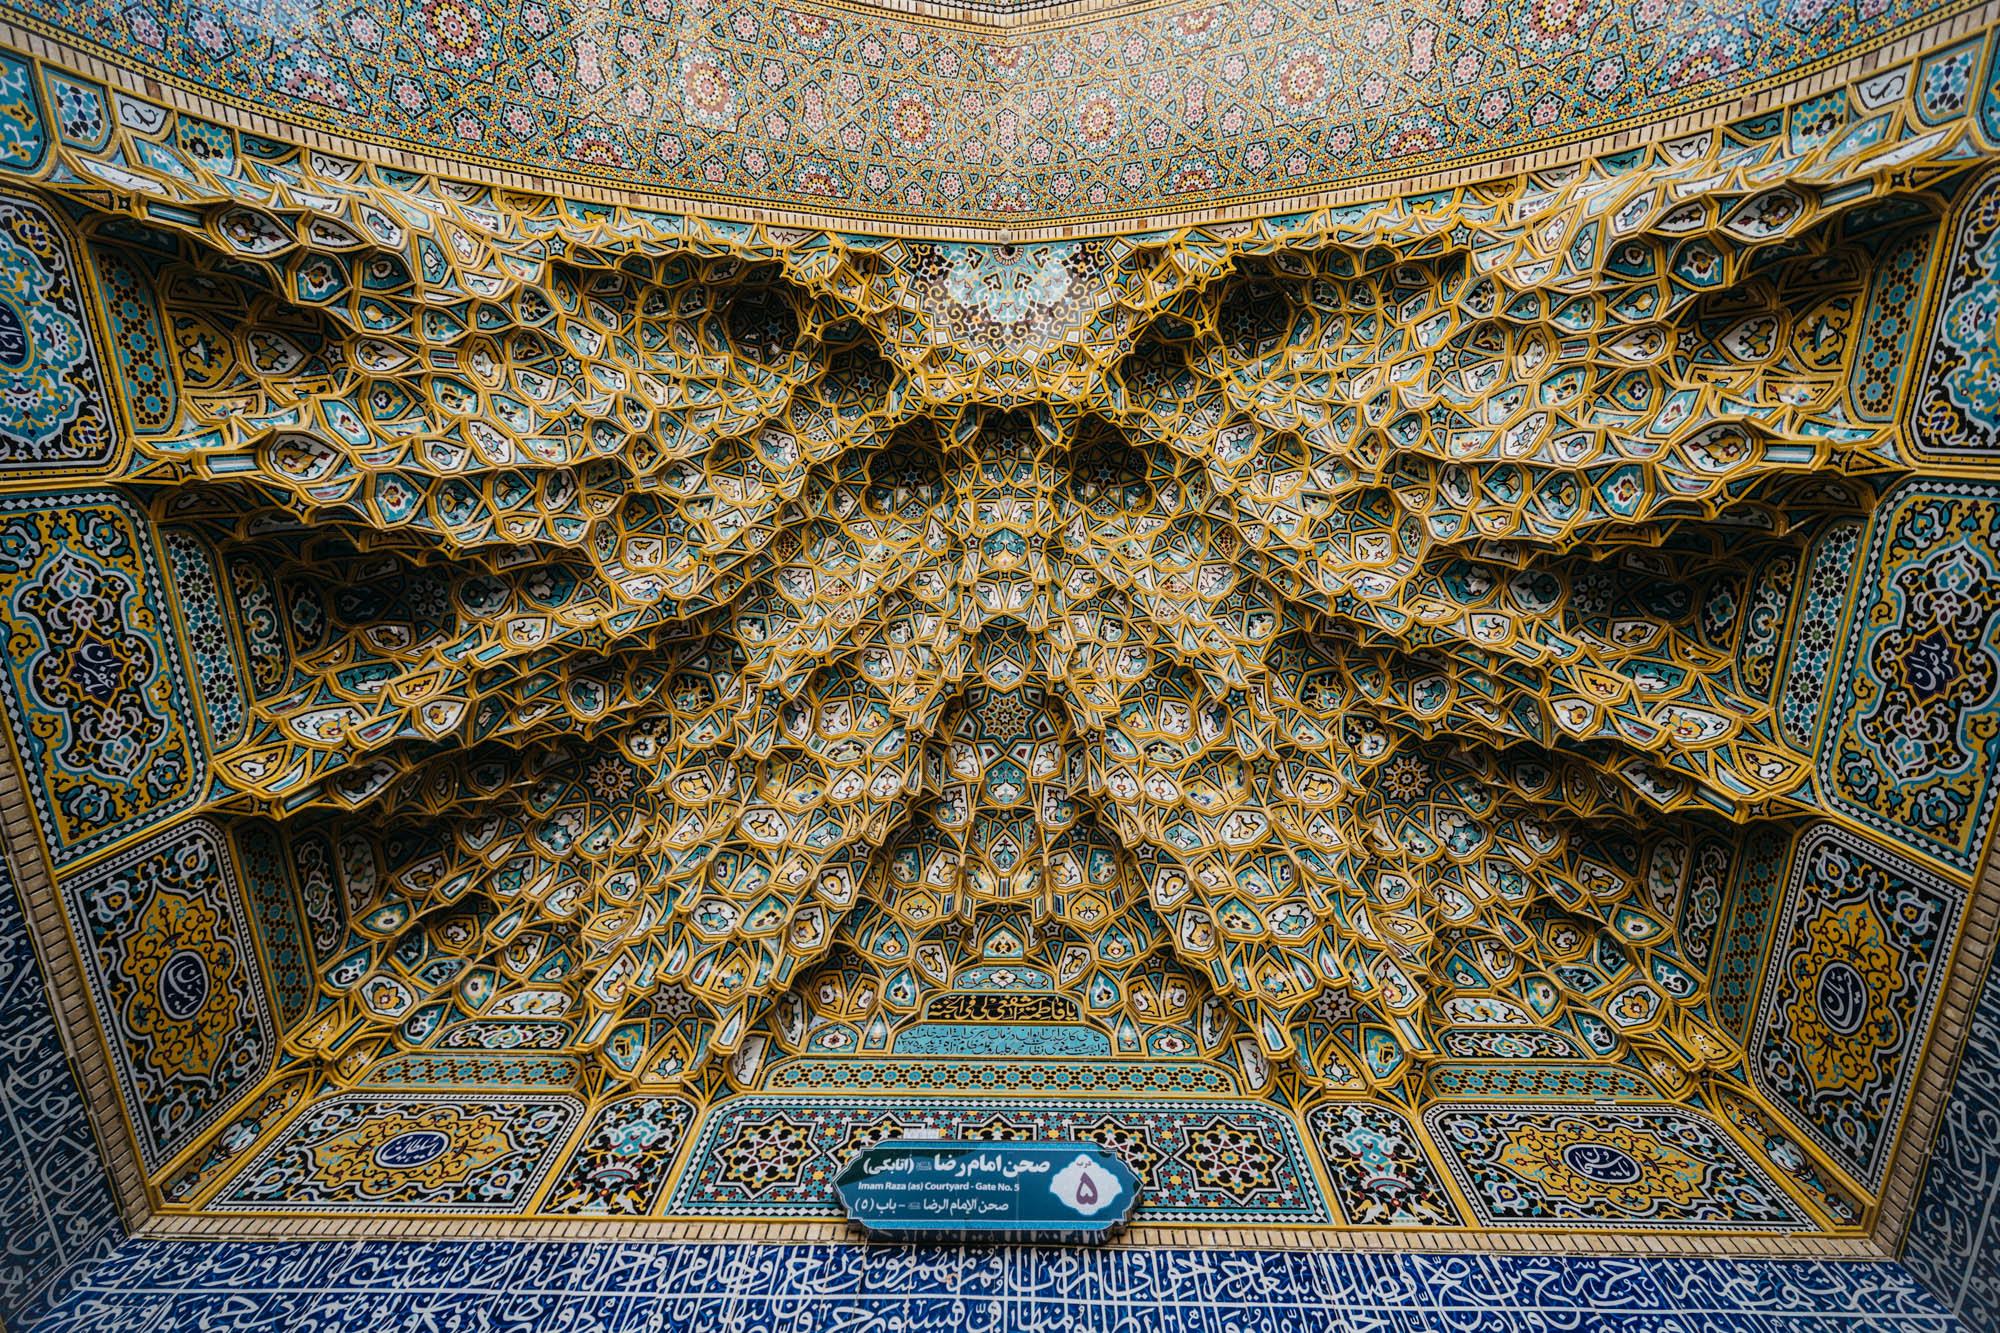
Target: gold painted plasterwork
(714, 642)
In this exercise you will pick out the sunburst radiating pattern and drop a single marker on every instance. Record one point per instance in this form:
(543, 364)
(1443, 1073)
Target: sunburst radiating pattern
(1327, 648)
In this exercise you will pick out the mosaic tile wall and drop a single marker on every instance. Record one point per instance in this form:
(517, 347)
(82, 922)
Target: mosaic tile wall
(1476, 710)
(169, 1287)
(56, 1210)
(1954, 1239)
(834, 107)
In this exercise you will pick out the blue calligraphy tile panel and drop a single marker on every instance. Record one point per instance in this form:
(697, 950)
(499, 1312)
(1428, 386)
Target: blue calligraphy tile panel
(621, 1287)
(1954, 1240)
(56, 1209)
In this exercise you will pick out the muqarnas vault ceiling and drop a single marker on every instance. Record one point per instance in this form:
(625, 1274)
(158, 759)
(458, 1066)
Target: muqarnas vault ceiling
(1472, 710)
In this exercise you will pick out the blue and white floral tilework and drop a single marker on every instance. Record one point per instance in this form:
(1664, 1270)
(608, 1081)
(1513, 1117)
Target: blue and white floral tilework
(55, 1205)
(1954, 1240)
(519, 1287)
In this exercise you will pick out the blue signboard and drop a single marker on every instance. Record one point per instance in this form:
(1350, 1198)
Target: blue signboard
(934, 1190)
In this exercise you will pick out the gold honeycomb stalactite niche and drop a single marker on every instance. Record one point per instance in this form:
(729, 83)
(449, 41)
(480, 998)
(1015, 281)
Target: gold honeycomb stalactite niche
(1331, 651)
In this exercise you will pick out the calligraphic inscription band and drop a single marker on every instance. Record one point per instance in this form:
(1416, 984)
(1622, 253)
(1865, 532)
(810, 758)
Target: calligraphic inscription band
(1003, 1009)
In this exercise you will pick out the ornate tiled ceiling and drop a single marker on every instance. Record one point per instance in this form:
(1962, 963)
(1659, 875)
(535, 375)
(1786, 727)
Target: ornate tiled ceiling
(1466, 708)
(1001, 115)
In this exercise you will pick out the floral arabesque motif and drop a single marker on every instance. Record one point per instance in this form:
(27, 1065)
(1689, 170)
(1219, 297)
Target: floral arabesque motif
(1935, 668)
(621, 1165)
(1621, 1166)
(1970, 326)
(1910, 741)
(95, 693)
(1379, 1169)
(1633, 1165)
(181, 957)
(1862, 946)
(387, 1152)
(51, 370)
(93, 670)
(176, 982)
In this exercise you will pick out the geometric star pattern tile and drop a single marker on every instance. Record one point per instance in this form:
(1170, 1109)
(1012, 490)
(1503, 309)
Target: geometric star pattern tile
(1216, 1161)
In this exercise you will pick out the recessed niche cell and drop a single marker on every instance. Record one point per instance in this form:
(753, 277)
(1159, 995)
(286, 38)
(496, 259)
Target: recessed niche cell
(761, 317)
(1107, 474)
(907, 478)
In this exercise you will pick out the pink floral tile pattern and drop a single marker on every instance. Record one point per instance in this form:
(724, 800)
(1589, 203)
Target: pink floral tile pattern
(858, 111)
